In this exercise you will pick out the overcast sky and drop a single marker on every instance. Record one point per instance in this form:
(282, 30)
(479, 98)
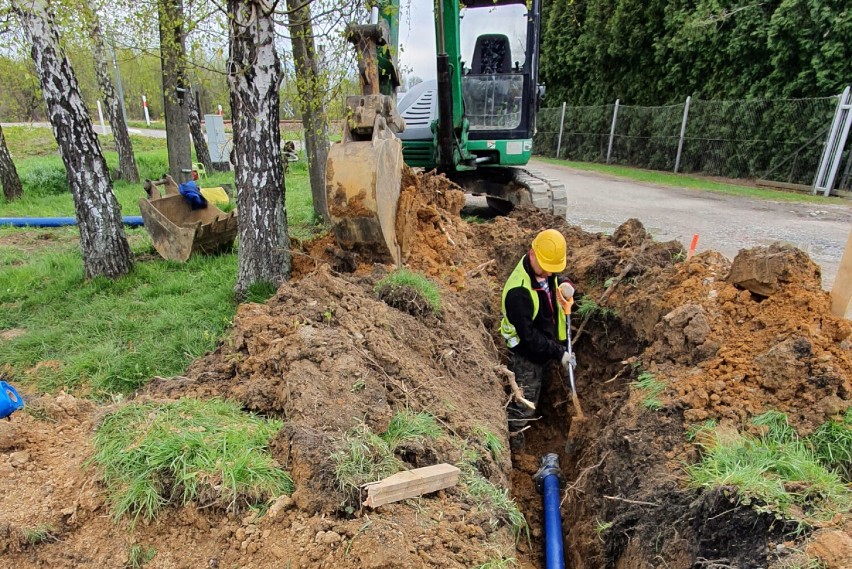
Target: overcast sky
(417, 39)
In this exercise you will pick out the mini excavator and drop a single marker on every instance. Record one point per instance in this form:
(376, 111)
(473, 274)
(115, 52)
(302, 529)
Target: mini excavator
(474, 123)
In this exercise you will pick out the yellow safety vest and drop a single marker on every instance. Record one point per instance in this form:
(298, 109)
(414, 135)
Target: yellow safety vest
(520, 278)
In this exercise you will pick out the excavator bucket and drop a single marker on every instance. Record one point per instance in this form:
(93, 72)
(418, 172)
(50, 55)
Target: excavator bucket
(177, 231)
(362, 185)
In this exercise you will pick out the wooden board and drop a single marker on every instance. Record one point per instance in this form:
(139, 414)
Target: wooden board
(411, 483)
(841, 292)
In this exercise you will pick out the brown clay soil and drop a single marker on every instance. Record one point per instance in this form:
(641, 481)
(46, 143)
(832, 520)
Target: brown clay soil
(325, 354)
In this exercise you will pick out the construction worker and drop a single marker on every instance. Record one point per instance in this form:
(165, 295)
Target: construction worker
(533, 322)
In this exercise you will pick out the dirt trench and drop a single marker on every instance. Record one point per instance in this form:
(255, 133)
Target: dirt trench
(325, 354)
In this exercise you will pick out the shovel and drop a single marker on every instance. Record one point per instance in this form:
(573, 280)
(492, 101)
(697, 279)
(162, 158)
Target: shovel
(579, 417)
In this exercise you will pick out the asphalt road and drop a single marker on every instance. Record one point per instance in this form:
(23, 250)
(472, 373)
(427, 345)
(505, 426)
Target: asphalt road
(600, 203)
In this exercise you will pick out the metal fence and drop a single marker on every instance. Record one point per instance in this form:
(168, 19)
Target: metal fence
(777, 139)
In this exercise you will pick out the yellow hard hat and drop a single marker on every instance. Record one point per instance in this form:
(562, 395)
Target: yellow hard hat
(549, 249)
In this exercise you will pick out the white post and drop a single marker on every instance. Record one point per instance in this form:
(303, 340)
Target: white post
(682, 132)
(561, 123)
(220, 110)
(145, 107)
(101, 116)
(846, 110)
(612, 130)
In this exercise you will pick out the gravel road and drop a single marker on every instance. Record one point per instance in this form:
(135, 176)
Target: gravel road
(598, 202)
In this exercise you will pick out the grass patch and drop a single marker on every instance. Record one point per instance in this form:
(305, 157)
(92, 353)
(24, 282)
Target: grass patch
(155, 455)
(39, 534)
(490, 441)
(692, 182)
(104, 336)
(410, 292)
(776, 471)
(651, 388)
(368, 457)
(138, 556)
(586, 306)
(501, 562)
(832, 445)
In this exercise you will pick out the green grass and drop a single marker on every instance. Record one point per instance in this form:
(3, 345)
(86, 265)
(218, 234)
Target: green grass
(408, 291)
(39, 534)
(501, 562)
(102, 336)
(776, 471)
(832, 445)
(692, 182)
(138, 556)
(210, 452)
(368, 457)
(586, 306)
(651, 388)
(490, 441)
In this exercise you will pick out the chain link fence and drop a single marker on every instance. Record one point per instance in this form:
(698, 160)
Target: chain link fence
(779, 139)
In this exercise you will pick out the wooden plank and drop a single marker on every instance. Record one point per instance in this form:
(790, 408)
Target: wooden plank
(841, 292)
(784, 186)
(411, 483)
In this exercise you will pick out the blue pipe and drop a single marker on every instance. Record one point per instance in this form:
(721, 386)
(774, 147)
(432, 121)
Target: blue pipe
(547, 480)
(10, 401)
(129, 220)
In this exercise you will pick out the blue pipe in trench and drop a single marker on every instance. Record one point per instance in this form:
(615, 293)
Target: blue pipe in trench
(547, 481)
(129, 220)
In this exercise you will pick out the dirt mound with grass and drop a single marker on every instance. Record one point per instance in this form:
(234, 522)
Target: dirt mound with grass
(663, 343)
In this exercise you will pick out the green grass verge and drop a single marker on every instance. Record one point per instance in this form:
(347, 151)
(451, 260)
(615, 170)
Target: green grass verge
(106, 336)
(776, 471)
(691, 182)
(102, 336)
(210, 452)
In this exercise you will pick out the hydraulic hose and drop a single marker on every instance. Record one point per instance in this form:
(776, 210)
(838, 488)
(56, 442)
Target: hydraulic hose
(547, 481)
(129, 220)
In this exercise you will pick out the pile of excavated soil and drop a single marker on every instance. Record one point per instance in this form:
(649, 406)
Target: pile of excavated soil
(326, 355)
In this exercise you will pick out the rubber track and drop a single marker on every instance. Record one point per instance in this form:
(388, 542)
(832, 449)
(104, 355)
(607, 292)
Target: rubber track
(545, 193)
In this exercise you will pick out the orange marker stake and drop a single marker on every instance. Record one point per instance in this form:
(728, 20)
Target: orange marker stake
(692, 247)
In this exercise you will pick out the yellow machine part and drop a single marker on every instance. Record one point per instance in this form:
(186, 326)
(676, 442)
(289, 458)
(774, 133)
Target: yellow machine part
(362, 184)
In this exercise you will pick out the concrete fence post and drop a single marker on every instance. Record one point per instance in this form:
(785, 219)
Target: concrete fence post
(561, 124)
(612, 130)
(682, 132)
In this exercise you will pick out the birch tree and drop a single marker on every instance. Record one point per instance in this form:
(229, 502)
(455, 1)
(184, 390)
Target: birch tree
(175, 90)
(309, 83)
(254, 76)
(202, 153)
(126, 159)
(9, 178)
(102, 240)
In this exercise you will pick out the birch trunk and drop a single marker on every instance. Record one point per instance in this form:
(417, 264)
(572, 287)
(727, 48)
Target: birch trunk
(9, 178)
(102, 241)
(254, 75)
(310, 86)
(202, 153)
(126, 159)
(175, 90)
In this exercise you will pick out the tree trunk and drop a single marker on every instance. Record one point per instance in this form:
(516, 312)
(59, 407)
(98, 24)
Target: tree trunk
(9, 179)
(202, 153)
(254, 76)
(102, 241)
(126, 159)
(175, 90)
(311, 87)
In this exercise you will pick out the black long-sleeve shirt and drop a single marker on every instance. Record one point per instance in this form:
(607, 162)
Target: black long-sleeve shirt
(538, 338)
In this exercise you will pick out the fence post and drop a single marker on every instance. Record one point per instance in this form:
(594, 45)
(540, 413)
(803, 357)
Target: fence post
(612, 130)
(561, 123)
(833, 148)
(101, 116)
(682, 132)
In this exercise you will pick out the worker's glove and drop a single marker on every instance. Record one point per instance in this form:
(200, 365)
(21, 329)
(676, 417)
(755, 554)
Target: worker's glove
(565, 303)
(568, 359)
